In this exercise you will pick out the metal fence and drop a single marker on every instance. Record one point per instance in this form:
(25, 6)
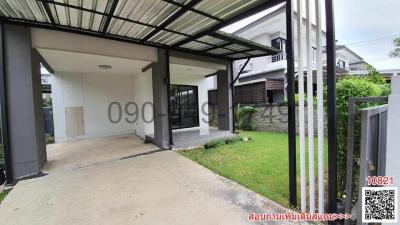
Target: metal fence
(372, 146)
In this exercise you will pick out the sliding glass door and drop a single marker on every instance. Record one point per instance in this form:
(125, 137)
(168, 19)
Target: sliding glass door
(184, 106)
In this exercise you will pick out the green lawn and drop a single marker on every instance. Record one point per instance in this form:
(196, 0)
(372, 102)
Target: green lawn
(3, 195)
(260, 164)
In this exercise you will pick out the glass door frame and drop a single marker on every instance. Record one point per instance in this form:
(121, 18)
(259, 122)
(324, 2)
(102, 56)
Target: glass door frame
(196, 92)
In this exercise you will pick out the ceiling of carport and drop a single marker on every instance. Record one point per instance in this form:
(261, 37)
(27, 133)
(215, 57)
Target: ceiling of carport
(186, 25)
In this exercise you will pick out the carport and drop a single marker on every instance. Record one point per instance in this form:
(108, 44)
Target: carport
(165, 33)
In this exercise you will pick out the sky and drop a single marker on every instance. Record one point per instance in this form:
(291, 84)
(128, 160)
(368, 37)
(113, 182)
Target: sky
(367, 27)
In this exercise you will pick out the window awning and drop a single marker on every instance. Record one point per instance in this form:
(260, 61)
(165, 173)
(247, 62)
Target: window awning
(185, 25)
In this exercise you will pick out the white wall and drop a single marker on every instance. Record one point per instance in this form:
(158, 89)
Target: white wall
(201, 82)
(93, 92)
(143, 97)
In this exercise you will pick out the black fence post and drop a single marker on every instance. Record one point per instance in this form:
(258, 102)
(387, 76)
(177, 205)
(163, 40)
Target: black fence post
(332, 117)
(291, 103)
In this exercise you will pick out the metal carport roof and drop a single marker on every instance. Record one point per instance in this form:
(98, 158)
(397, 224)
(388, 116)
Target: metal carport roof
(185, 25)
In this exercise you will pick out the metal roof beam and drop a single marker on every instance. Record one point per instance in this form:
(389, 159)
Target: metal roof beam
(241, 70)
(109, 16)
(244, 43)
(218, 46)
(172, 18)
(194, 10)
(249, 12)
(48, 11)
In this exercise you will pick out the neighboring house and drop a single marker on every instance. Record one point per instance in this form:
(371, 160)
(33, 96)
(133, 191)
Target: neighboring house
(264, 78)
(46, 86)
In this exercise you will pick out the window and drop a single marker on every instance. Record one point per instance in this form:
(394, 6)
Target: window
(184, 106)
(314, 54)
(341, 64)
(280, 44)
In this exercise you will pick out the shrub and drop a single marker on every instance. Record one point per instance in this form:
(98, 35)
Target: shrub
(347, 88)
(244, 115)
(214, 144)
(234, 140)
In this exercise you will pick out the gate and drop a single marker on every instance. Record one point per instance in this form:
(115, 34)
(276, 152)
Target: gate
(372, 146)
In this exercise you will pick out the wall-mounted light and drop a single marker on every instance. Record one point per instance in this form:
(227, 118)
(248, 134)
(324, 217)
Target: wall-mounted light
(104, 67)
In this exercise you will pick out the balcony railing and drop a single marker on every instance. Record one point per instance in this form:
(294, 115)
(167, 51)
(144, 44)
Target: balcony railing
(278, 57)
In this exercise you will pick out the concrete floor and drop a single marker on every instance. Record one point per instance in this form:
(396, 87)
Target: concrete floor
(157, 188)
(85, 152)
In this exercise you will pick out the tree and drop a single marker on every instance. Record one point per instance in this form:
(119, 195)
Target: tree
(374, 76)
(396, 51)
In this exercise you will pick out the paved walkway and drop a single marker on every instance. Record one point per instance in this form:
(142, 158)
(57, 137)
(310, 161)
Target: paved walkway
(153, 189)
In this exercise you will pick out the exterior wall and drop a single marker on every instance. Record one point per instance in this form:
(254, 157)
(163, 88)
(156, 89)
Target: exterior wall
(143, 97)
(202, 85)
(93, 92)
(264, 39)
(24, 108)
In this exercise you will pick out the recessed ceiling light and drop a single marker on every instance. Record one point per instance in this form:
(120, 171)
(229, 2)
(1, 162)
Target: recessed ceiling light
(105, 67)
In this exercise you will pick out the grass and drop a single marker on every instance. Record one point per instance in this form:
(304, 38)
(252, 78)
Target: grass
(260, 164)
(3, 195)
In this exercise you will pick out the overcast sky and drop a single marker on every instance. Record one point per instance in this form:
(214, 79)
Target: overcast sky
(368, 27)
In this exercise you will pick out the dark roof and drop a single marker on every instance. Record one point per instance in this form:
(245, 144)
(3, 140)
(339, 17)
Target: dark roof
(184, 25)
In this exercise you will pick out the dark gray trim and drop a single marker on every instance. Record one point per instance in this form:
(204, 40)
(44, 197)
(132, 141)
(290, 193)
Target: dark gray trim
(148, 67)
(43, 61)
(233, 97)
(194, 56)
(168, 81)
(4, 109)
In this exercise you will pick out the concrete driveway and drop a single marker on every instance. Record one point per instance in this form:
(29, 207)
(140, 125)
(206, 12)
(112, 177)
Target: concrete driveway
(157, 188)
(84, 152)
